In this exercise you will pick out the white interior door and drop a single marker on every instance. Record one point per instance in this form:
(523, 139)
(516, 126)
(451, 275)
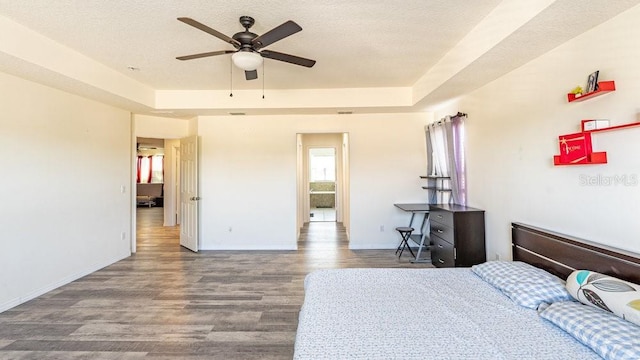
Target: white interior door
(189, 193)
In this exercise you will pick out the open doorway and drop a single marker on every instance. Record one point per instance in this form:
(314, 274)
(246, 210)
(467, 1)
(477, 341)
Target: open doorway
(150, 172)
(149, 190)
(322, 184)
(323, 181)
(156, 173)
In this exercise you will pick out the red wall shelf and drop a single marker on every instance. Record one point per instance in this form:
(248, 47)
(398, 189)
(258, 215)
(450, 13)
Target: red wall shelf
(604, 87)
(624, 126)
(593, 158)
(578, 152)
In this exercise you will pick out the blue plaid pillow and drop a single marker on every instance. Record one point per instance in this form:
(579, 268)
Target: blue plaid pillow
(526, 285)
(608, 335)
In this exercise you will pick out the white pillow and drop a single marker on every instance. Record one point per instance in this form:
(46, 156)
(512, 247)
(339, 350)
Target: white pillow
(607, 293)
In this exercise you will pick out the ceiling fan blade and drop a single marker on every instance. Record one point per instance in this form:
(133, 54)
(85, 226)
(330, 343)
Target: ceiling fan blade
(275, 34)
(288, 58)
(209, 30)
(251, 75)
(207, 54)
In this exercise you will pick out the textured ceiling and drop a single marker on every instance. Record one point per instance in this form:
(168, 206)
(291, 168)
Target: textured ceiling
(411, 55)
(356, 43)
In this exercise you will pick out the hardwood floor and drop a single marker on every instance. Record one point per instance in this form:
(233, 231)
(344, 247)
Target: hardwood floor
(166, 302)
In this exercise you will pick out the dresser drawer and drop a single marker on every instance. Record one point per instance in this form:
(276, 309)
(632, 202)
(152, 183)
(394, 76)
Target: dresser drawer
(441, 216)
(442, 253)
(442, 231)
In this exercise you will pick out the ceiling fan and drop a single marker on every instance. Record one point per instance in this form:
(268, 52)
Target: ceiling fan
(247, 55)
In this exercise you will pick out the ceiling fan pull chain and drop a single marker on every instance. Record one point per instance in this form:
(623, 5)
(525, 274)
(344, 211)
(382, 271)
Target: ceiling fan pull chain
(263, 80)
(230, 78)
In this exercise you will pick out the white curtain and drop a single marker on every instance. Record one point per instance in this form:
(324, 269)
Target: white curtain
(445, 150)
(150, 169)
(439, 157)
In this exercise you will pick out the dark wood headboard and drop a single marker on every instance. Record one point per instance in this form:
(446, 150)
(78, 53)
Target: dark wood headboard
(561, 254)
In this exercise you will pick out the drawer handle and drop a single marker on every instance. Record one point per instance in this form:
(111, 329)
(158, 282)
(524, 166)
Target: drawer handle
(440, 246)
(439, 231)
(439, 216)
(441, 261)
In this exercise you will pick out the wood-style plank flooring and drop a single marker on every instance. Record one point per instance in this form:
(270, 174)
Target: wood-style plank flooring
(166, 302)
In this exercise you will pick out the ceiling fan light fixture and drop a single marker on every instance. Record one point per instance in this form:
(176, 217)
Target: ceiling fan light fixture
(247, 60)
(248, 55)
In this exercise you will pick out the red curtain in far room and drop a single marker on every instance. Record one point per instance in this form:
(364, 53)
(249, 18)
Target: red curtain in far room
(144, 173)
(150, 169)
(138, 177)
(149, 175)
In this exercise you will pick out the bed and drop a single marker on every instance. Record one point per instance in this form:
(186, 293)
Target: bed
(463, 313)
(149, 194)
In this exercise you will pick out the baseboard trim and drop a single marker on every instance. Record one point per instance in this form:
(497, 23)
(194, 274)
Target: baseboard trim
(372, 246)
(274, 247)
(43, 290)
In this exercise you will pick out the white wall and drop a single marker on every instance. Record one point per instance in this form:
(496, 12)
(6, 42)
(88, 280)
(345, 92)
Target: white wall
(513, 128)
(64, 160)
(248, 176)
(346, 193)
(171, 182)
(161, 127)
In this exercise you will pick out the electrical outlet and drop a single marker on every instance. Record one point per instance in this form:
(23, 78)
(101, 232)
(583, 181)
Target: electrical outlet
(497, 256)
(123, 235)
(381, 228)
(230, 229)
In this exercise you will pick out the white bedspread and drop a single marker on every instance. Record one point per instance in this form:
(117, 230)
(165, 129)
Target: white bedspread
(421, 314)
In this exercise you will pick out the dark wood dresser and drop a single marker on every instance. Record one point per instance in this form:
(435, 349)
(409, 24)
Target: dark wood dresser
(457, 235)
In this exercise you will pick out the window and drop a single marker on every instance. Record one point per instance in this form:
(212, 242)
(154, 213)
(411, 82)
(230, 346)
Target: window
(445, 143)
(150, 169)
(322, 164)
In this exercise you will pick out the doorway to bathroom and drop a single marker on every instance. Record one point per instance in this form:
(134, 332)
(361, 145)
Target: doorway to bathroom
(322, 184)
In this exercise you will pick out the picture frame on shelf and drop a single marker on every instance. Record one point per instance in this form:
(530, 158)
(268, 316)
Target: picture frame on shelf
(592, 82)
(575, 148)
(594, 124)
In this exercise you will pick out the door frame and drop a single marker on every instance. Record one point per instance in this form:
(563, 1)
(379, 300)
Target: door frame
(336, 168)
(132, 186)
(169, 202)
(342, 174)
